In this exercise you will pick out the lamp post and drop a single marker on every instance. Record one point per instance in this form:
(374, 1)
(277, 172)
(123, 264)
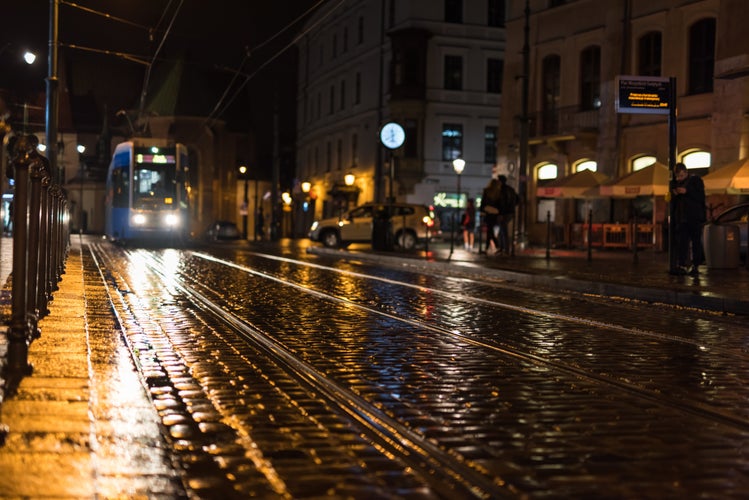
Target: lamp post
(458, 165)
(306, 186)
(245, 201)
(81, 149)
(349, 180)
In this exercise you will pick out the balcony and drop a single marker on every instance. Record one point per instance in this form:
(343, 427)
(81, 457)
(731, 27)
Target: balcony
(562, 124)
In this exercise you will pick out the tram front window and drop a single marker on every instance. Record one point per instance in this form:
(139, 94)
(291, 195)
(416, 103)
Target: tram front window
(154, 188)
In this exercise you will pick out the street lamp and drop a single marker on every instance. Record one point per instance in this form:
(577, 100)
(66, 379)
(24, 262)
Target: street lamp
(458, 165)
(245, 201)
(81, 149)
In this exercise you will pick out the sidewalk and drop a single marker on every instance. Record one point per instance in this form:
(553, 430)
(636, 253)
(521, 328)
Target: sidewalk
(84, 407)
(608, 272)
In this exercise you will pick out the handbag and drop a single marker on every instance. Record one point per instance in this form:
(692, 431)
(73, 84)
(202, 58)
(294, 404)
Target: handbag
(491, 210)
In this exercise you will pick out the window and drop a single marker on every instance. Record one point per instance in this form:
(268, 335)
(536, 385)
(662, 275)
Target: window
(496, 13)
(697, 159)
(335, 46)
(357, 89)
(642, 162)
(453, 73)
(590, 78)
(360, 31)
(328, 156)
(354, 150)
(549, 112)
(391, 14)
(319, 105)
(345, 40)
(343, 94)
(586, 165)
(494, 73)
(547, 172)
(490, 145)
(453, 11)
(332, 99)
(452, 141)
(411, 146)
(649, 54)
(701, 56)
(339, 154)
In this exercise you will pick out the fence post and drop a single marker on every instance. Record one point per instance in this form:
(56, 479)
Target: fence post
(22, 322)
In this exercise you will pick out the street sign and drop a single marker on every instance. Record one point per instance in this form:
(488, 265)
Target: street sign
(642, 94)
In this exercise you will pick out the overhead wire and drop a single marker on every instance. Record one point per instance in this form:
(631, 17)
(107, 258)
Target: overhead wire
(220, 109)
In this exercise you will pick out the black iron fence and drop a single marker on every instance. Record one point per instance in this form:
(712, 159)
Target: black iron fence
(40, 244)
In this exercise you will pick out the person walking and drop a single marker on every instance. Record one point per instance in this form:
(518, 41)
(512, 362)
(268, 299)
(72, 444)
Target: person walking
(490, 210)
(689, 213)
(468, 224)
(508, 200)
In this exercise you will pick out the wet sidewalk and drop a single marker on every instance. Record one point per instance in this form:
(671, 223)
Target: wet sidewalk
(616, 273)
(81, 426)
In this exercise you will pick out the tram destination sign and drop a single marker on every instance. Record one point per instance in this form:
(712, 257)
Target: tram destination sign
(642, 94)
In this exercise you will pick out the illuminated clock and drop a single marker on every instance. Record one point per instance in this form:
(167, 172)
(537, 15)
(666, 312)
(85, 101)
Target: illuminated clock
(392, 135)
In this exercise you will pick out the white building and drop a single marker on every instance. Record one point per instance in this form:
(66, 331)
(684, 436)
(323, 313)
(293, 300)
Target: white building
(434, 67)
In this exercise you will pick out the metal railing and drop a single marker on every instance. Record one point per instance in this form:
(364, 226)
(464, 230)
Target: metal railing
(40, 244)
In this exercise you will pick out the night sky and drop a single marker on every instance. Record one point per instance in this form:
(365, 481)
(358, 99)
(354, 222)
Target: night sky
(210, 36)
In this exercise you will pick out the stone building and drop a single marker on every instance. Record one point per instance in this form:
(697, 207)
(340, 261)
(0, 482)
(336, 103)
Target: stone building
(575, 51)
(435, 68)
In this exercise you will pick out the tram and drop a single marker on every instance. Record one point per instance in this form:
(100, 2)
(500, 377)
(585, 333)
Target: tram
(147, 192)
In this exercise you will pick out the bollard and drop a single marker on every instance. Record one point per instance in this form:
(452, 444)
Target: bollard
(548, 234)
(590, 235)
(37, 170)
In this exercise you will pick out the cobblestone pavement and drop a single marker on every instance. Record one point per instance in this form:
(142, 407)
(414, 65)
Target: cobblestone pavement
(549, 395)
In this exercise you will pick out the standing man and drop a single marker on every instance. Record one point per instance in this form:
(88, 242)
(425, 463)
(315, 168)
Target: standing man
(688, 193)
(508, 200)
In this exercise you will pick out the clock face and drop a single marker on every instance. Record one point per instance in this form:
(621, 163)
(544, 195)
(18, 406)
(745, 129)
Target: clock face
(392, 135)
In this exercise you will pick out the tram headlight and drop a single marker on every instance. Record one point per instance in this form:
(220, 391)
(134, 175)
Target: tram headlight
(139, 219)
(171, 220)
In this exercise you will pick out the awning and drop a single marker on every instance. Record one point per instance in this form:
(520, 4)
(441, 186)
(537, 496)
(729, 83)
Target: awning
(732, 178)
(649, 181)
(582, 184)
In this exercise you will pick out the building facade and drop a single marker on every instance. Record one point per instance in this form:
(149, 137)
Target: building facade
(435, 68)
(575, 51)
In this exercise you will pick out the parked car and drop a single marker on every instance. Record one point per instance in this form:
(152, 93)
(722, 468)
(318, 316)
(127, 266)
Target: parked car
(222, 230)
(737, 215)
(409, 224)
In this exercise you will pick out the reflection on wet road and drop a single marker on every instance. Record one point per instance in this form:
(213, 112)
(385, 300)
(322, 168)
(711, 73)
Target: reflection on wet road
(539, 393)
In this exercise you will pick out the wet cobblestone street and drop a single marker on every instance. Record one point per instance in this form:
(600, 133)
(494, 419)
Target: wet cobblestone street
(295, 376)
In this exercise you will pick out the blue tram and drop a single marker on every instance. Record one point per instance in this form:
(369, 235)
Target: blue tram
(147, 192)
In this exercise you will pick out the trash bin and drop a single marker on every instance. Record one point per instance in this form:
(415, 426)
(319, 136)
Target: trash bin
(721, 242)
(382, 231)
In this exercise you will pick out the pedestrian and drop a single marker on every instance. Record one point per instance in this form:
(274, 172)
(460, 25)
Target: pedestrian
(490, 210)
(689, 213)
(508, 200)
(468, 224)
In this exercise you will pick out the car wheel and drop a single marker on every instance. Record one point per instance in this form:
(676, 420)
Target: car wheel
(330, 239)
(406, 240)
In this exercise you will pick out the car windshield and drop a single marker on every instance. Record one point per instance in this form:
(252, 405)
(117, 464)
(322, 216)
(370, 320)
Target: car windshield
(360, 212)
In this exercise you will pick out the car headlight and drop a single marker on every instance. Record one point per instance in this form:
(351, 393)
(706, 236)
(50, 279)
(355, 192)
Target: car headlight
(314, 226)
(139, 219)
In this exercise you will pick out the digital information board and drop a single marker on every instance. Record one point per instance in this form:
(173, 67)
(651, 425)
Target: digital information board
(642, 94)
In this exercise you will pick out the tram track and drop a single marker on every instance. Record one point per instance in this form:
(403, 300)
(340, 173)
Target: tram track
(445, 468)
(504, 349)
(447, 473)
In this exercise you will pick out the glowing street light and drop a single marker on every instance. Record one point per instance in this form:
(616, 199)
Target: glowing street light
(458, 165)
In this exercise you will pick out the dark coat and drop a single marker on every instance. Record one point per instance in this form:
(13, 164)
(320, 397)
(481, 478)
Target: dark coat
(690, 207)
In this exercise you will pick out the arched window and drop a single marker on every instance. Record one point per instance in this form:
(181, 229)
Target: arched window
(547, 172)
(586, 165)
(641, 162)
(701, 56)
(590, 78)
(649, 54)
(697, 159)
